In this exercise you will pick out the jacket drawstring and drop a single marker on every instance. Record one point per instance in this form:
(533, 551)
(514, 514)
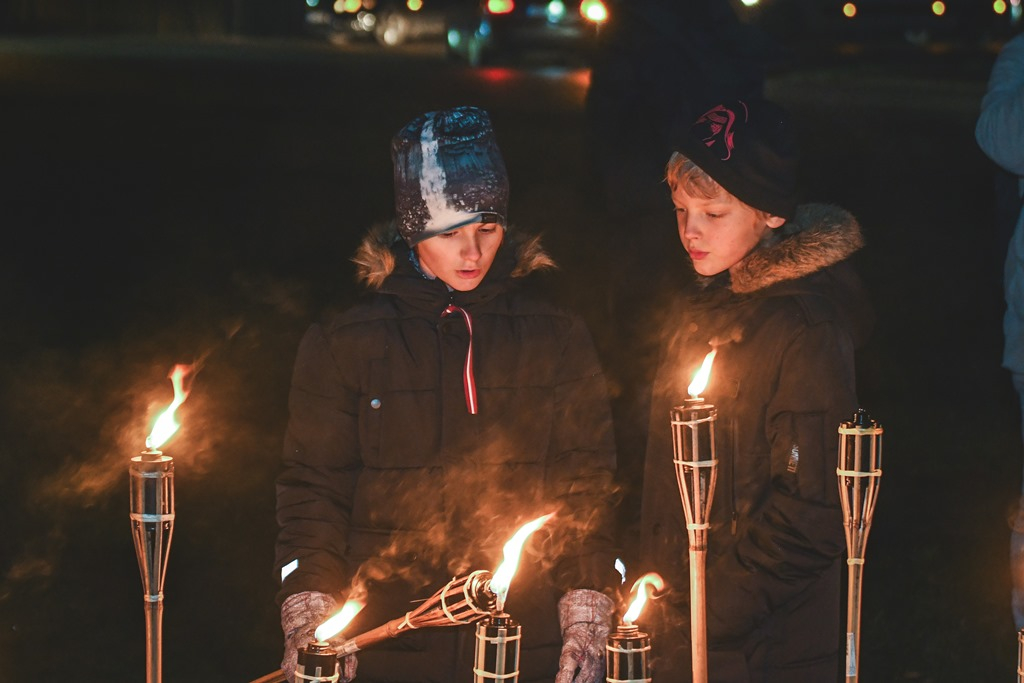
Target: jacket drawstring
(468, 380)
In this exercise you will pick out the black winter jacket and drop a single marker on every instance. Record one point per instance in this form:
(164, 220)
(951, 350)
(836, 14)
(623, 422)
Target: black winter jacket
(389, 484)
(786, 325)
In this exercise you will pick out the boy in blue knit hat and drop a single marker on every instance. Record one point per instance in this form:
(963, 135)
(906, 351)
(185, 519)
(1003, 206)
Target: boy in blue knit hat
(432, 419)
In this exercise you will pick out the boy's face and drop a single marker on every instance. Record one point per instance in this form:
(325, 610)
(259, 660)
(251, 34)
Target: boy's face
(719, 232)
(461, 258)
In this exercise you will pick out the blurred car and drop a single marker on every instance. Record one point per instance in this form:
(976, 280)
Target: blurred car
(504, 29)
(389, 22)
(918, 22)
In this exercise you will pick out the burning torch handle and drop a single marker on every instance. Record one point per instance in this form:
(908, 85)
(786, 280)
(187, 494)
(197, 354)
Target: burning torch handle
(698, 615)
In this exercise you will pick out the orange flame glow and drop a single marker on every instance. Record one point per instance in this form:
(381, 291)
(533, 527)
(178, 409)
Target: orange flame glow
(334, 625)
(502, 578)
(166, 424)
(700, 380)
(644, 587)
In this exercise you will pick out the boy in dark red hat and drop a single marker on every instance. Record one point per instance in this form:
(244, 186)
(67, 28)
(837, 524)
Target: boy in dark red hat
(435, 417)
(777, 298)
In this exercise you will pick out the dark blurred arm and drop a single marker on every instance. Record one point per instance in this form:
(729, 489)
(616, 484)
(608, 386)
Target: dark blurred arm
(320, 467)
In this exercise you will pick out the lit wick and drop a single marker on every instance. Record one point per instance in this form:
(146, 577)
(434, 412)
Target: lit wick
(337, 623)
(496, 657)
(510, 552)
(701, 377)
(318, 661)
(628, 649)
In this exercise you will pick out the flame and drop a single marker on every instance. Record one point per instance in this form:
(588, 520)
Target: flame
(700, 380)
(334, 625)
(166, 425)
(502, 578)
(644, 587)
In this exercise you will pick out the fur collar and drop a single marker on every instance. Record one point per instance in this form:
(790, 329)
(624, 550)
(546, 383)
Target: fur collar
(818, 236)
(375, 257)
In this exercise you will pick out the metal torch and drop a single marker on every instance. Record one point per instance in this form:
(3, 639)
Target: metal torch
(152, 518)
(693, 446)
(317, 663)
(628, 650)
(496, 657)
(859, 471)
(497, 649)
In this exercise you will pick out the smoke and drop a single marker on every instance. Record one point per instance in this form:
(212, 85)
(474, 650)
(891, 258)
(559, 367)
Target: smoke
(477, 504)
(71, 419)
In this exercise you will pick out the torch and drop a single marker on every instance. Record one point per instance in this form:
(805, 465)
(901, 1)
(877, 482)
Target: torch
(693, 447)
(317, 662)
(628, 648)
(151, 484)
(1020, 656)
(461, 601)
(497, 636)
(859, 471)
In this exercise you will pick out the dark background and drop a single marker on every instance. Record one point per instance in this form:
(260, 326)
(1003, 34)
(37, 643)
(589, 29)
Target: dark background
(172, 199)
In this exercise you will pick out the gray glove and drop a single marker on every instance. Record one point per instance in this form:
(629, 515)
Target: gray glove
(301, 613)
(585, 617)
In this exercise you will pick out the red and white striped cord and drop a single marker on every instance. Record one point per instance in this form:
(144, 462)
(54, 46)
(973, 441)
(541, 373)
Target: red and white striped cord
(468, 380)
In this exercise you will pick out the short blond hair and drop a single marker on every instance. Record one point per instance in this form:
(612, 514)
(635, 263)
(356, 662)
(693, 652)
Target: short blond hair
(681, 172)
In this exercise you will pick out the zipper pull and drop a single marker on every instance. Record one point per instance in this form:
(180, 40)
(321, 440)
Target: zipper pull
(733, 526)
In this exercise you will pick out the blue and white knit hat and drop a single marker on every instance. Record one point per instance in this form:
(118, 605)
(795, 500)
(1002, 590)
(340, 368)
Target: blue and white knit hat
(448, 173)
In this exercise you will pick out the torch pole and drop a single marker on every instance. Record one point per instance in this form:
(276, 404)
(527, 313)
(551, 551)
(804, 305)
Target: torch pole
(693, 446)
(699, 614)
(152, 517)
(1020, 656)
(859, 472)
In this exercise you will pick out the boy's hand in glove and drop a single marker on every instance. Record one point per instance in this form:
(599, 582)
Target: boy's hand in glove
(585, 618)
(301, 613)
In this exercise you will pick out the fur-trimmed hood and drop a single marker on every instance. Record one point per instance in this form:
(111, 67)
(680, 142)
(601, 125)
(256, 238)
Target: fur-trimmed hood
(375, 258)
(818, 236)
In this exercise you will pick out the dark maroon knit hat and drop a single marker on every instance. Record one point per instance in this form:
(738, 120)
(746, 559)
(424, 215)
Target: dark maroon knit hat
(749, 148)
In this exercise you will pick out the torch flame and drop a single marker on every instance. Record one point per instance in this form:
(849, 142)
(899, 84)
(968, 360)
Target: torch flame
(502, 578)
(166, 425)
(340, 620)
(644, 587)
(700, 380)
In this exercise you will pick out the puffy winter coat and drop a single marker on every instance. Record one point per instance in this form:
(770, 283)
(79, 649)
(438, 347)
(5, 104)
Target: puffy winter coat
(391, 485)
(785, 325)
(998, 134)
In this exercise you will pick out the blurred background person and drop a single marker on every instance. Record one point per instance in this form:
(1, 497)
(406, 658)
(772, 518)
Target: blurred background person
(1000, 134)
